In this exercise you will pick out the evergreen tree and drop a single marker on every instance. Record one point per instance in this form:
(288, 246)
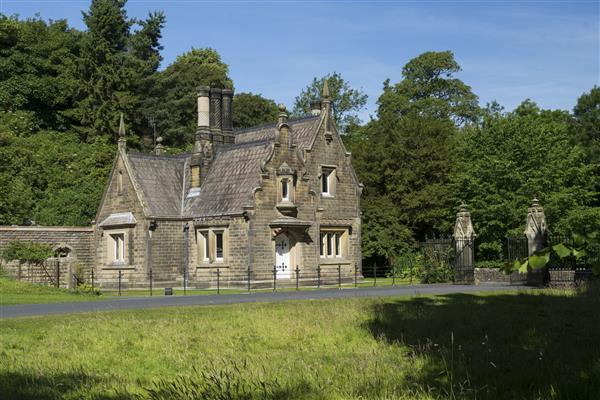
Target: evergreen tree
(114, 66)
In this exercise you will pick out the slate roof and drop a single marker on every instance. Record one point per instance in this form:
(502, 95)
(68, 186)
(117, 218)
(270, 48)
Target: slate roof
(160, 180)
(230, 181)
(164, 181)
(301, 131)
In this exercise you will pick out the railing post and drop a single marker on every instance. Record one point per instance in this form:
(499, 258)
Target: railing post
(318, 277)
(355, 275)
(120, 272)
(375, 274)
(297, 277)
(92, 280)
(339, 276)
(219, 280)
(57, 273)
(274, 278)
(184, 284)
(393, 276)
(151, 281)
(248, 278)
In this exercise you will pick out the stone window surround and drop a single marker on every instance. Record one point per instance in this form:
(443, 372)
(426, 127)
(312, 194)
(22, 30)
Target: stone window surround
(204, 233)
(331, 180)
(109, 249)
(326, 240)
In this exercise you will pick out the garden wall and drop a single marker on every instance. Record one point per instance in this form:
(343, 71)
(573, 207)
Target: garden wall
(56, 271)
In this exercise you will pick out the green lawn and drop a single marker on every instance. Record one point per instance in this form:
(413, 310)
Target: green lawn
(531, 345)
(16, 292)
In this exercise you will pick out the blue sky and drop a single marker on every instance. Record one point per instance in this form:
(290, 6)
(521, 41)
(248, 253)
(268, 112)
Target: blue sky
(547, 51)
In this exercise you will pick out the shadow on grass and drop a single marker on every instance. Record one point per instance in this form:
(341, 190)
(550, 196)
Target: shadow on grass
(526, 346)
(76, 385)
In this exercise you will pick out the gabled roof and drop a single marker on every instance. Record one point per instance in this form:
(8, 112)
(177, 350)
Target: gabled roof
(163, 182)
(160, 180)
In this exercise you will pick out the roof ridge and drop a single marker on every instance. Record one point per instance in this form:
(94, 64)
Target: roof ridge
(152, 156)
(274, 124)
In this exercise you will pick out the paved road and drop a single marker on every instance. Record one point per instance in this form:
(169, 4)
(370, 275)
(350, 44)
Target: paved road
(126, 303)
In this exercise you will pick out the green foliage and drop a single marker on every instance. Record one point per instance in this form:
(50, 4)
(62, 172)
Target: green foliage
(114, 68)
(52, 178)
(27, 252)
(36, 59)
(429, 88)
(586, 126)
(253, 109)
(346, 101)
(579, 249)
(172, 102)
(510, 159)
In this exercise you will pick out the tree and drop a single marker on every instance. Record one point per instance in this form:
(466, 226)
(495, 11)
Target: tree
(429, 88)
(114, 66)
(36, 78)
(253, 109)
(586, 124)
(405, 158)
(346, 101)
(512, 158)
(173, 101)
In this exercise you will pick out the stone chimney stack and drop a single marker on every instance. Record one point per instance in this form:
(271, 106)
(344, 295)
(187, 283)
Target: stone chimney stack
(122, 144)
(203, 140)
(216, 122)
(315, 107)
(227, 117)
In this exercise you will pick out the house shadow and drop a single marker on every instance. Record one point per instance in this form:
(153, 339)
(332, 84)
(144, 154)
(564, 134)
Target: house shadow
(534, 345)
(30, 386)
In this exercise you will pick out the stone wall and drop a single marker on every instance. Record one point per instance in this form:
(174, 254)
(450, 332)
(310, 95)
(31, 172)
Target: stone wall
(493, 275)
(78, 240)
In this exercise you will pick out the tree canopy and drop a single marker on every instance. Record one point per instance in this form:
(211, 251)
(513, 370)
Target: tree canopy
(346, 101)
(253, 109)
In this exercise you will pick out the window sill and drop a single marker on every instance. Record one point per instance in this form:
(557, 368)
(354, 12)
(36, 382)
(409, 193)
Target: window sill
(334, 260)
(118, 266)
(327, 196)
(213, 265)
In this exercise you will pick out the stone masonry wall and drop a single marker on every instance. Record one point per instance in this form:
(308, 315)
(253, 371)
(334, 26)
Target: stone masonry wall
(79, 241)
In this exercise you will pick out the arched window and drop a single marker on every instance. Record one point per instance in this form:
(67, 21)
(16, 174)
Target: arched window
(62, 252)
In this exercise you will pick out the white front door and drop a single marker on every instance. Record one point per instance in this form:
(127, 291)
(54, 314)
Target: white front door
(282, 256)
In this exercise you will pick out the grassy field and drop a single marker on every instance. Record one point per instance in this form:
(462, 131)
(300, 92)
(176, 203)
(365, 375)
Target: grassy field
(15, 292)
(532, 345)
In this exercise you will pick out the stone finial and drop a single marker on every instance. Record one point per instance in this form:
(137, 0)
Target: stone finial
(463, 227)
(158, 149)
(283, 116)
(325, 94)
(122, 140)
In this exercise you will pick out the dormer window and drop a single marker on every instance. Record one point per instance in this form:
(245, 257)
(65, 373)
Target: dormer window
(327, 181)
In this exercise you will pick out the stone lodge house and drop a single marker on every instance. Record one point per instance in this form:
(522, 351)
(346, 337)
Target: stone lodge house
(267, 199)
